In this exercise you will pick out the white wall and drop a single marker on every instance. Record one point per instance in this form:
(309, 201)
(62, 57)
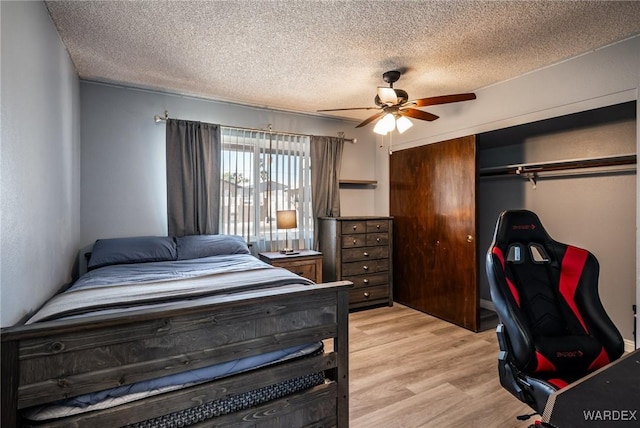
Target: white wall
(123, 191)
(40, 160)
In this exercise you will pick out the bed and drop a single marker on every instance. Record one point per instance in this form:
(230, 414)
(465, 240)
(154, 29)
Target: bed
(188, 331)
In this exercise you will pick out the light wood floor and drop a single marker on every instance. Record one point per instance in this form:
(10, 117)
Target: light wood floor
(409, 369)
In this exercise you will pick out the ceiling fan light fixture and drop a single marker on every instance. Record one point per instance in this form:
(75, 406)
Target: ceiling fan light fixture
(380, 128)
(403, 124)
(395, 108)
(387, 95)
(389, 122)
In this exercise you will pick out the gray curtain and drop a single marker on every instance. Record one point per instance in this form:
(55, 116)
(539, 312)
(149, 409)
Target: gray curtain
(193, 177)
(326, 158)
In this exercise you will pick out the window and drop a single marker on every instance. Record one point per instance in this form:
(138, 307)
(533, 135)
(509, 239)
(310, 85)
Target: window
(261, 173)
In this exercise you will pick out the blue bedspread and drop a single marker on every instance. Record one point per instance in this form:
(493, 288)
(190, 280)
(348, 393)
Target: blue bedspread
(120, 288)
(138, 273)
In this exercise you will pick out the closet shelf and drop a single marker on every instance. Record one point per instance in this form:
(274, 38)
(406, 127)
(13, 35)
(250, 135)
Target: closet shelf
(564, 165)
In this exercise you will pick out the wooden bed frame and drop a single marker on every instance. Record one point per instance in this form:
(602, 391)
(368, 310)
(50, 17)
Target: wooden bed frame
(47, 361)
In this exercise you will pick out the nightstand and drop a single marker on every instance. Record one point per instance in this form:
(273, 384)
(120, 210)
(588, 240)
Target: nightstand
(306, 263)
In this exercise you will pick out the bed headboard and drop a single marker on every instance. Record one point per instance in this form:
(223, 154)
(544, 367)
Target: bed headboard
(83, 258)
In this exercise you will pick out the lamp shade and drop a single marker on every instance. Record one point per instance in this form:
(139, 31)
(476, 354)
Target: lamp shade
(389, 122)
(387, 95)
(380, 128)
(403, 124)
(286, 219)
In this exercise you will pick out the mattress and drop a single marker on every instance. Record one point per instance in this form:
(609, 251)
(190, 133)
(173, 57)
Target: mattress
(137, 391)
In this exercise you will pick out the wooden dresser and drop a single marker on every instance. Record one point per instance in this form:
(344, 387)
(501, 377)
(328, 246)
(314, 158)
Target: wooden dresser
(359, 249)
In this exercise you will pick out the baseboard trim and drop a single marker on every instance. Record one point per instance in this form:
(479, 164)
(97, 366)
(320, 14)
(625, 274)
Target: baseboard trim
(487, 304)
(629, 346)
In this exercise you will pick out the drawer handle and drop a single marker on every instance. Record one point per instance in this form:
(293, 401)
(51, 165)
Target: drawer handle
(355, 242)
(299, 273)
(355, 227)
(377, 239)
(365, 254)
(365, 267)
(366, 294)
(365, 281)
(377, 226)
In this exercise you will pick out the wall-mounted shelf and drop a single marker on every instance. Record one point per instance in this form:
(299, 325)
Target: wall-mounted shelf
(353, 184)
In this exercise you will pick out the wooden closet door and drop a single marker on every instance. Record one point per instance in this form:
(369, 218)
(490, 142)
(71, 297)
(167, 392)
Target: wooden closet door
(433, 203)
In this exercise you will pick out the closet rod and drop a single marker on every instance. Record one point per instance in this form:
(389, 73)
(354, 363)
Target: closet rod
(158, 118)
(525, 168)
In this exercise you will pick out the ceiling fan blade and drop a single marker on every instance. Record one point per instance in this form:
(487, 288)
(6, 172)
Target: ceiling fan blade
(418, 114)
(370, 119)
(443, 99)
(350, 108)
(387, 95)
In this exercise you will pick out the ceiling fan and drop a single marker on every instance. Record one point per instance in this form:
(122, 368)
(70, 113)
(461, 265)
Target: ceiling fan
(395, 106)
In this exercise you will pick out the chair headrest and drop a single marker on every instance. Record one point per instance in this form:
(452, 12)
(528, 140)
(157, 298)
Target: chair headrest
(521, 226)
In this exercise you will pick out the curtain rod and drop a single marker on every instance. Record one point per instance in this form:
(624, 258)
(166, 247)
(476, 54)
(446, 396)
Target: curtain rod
(158, 118)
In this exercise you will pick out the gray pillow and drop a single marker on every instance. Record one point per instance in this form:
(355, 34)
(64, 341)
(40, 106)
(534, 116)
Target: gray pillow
(141, 249)
(197, 246)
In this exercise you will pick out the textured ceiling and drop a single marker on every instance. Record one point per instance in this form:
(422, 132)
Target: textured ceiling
(309, 55)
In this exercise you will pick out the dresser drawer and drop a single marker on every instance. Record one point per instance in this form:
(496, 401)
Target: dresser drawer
(366, 266)
(353, 241)
(368, 294)
(353, 226)
(365, 253)
(373, 226)
(360, 281)
(377, 239)
(369, 239)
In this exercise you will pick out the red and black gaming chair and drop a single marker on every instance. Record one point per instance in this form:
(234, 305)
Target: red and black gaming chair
(553, 329)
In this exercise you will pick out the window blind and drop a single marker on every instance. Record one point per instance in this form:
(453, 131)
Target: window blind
(263, 172)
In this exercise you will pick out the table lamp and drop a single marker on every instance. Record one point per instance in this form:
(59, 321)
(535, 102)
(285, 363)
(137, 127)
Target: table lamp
(286, 219)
